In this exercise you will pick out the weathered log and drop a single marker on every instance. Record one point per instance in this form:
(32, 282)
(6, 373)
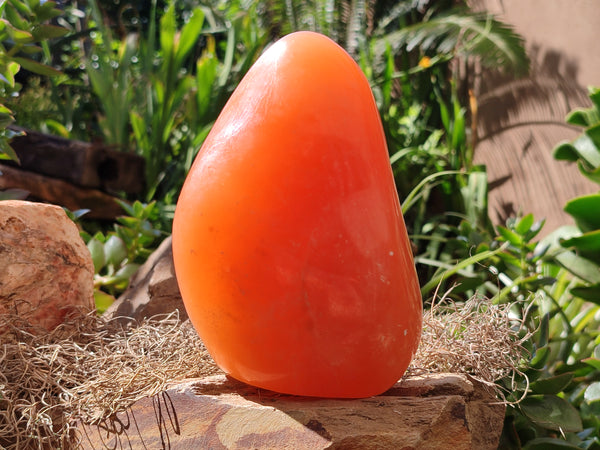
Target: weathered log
(59, 192)
(444, 411)
(81, 163)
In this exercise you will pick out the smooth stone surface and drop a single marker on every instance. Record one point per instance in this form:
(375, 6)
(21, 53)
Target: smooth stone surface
(46, 270)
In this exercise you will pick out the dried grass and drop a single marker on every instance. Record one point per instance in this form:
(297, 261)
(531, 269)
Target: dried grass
(86, 370)
(91, 367)
(476, 337)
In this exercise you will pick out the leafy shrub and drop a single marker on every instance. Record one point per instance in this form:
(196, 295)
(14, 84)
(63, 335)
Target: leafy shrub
(118, 253)
(582, 242)
(23, 26)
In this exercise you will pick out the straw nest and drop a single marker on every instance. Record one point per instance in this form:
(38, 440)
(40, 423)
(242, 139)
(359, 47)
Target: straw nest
(90, 367)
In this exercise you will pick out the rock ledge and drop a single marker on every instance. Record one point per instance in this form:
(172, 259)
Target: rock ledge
(443, 411)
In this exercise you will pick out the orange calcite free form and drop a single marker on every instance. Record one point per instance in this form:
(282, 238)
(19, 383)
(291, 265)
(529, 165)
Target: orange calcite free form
(290, 248)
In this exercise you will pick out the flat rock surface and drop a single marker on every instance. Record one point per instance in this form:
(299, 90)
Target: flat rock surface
(45, 268)
(443, 411)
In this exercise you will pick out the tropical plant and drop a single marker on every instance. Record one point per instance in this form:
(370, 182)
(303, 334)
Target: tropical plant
(24, 25)
(178, 110)
(553, 287)
(159, 95)
(118, 253)
(582, 241)
(560, 371)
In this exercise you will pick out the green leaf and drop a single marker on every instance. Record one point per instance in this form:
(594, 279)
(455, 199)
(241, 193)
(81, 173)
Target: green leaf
(102, 300)
(549, 443)
(206, 74)
(552, 385)
(44, 32)
(168, 28)
(19, 36)
(579, 266)
(115, 251)
(539, 359)
(524, 225)
(229, 55)
(584, 210)
(129, 222)
(592, 362)
(566, 152)
(587, 150)
(13, 193)
(533, 231)
(594, 94)
(388, 80)
(22, 7)
(36, 67)
(510, 236)
(77, 214)
(587, 245)
(593, 174)
(47, 11)
(583, 117)
(592, 392)
(138, 209)
(5, 121)
(14, 19)
(96, 249)
(593, 133)
(589, 293)
(458, 129)
(57, 128)
(127, 271)
(552, 412)
(8, 150)
(579, 368)
(410, 199)
(8, 76)
(543, 333)
(189, 35)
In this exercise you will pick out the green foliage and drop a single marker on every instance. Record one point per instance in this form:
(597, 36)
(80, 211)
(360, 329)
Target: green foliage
(178, 111)
(555, 395)
(585, 150)
(555, 287)
(23, 25)
(117, 254)
(580, 253)
(459, 32)
(160, 97)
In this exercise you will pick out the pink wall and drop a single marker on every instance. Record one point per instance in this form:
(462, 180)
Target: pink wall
(520, 121)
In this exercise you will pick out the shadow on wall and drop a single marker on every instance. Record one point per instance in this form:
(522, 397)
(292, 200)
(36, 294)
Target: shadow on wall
(544, 98)
(520, 121)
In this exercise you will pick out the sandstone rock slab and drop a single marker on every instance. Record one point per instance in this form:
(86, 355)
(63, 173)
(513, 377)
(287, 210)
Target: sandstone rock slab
(45, 268)
(444, 411)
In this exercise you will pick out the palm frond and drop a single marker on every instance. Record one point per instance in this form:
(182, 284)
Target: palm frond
(356, 26)
(345, 21)
(461, 33)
